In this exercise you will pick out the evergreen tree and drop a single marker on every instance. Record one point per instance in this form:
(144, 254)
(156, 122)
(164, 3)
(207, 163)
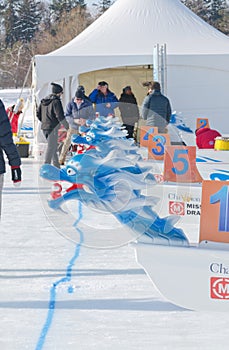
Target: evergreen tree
(59, 7)
(216, 8)
(1, 18)
(214, 12)
(103, 5)
(198, 7)
(46, 16)
(29, 18)
(9, 20)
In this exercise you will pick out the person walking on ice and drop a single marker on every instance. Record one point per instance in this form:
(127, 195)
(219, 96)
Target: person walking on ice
(8, 147)
(51, 115)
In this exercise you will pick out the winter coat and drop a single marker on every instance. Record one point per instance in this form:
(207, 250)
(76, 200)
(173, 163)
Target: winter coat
(6, 142)
(50, 113)
(85, 111)
(101, 100)
(156, 109)
(205, 137)
(13, 117)
(129, 109)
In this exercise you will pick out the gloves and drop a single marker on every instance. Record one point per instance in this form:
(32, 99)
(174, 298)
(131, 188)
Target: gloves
(16, 173)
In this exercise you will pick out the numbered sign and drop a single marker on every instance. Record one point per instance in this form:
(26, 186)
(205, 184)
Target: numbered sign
(202, 123)
(156, 146)
(180, 164)
(145, 133)
(214, 219)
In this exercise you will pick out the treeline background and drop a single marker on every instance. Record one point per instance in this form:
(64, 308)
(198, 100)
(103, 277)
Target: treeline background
(30, 27)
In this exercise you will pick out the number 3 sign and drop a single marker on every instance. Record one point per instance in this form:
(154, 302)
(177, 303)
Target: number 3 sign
(156, 146)
(214, 219)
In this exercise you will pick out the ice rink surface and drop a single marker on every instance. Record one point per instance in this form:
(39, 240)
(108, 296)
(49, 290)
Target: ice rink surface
(55, 294)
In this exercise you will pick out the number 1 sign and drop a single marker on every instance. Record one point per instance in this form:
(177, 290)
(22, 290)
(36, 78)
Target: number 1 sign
(214, 219)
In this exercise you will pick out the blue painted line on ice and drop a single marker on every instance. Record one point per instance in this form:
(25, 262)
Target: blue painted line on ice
(213, 160)
(67, 278)
(222, 170)
(206, 159)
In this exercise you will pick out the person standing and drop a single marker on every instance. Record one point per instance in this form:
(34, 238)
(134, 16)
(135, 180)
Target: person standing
(78, 111)
(8, 147)
(156, 109)
(14, 113)
(129, 110)
(104, 99)
(51, 114)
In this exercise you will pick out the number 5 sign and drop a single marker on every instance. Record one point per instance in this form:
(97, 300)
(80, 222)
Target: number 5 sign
(214, 219)
(180, 164)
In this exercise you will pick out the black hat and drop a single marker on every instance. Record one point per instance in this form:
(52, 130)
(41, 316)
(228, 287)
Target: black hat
(127, 88)
(102, 83)
(81, 88)
(56, 88)
(79, 94)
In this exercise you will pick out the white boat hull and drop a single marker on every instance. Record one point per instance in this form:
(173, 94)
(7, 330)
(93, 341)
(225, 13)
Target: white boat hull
(195, 278)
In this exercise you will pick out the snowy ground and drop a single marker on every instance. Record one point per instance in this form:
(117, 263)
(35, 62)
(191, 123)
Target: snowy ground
(102, 299)
(55, 294)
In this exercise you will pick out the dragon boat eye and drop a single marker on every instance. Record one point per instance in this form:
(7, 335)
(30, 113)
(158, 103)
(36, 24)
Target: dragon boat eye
(91, 134)
(88, 138)
(71, 172)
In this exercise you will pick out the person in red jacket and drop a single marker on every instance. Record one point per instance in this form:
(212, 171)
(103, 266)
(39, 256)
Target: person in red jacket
(14, 113)
(205, 137)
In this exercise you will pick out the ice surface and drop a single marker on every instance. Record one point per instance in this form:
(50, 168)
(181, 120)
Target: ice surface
(105, 302)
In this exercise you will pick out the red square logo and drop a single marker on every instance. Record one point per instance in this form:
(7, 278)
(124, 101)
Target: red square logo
(219, 288)
(176, 208)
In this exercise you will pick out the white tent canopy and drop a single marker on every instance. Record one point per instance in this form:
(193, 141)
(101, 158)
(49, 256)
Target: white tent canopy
(197, 55)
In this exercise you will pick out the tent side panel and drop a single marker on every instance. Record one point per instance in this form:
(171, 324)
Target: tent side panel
(198, 87)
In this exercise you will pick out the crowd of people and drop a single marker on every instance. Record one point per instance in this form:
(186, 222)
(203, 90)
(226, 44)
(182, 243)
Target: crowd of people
(101, 101)
(156, 111)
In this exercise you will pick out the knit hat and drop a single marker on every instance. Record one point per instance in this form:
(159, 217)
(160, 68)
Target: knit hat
(102, 83)
(81, 88)
(127, 88)
(56, 88)
(79, 94)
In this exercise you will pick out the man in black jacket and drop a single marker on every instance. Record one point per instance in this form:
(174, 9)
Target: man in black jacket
(156, 109)
(51, 115)
(8, 147)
